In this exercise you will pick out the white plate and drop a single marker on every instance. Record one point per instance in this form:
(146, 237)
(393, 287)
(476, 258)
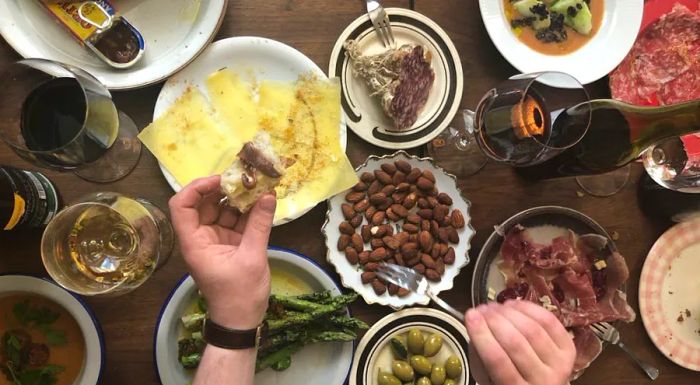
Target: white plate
(365, 116)
(175, 32)
(350, 275)
(89, 326)
(669, 287)
(252, 57)
(605, 50)
(372, 355)
(317, 364)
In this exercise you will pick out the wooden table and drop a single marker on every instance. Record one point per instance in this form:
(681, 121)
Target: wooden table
(312, 26)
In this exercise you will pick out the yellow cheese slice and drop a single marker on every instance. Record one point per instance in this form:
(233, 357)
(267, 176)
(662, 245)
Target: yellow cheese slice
(275, 104)
(188, 141)
(234, 105)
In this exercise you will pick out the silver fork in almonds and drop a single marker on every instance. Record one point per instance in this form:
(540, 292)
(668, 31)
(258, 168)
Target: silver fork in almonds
(380, 21)
(415, 282)
(607, 332)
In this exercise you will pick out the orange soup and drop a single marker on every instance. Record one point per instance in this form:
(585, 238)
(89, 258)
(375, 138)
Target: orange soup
(44, 334)
(574, 39)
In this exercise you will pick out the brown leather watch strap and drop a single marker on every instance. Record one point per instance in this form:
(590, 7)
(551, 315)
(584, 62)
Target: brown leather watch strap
(226, 338)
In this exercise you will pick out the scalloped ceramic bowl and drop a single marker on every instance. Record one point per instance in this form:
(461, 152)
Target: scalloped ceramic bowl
(92, 334)
(350, 275)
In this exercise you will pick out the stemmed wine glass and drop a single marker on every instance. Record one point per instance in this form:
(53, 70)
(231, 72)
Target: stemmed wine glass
(60, 117)
(106, 244)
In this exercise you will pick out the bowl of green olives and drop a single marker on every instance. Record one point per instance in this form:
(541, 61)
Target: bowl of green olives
(419, 346)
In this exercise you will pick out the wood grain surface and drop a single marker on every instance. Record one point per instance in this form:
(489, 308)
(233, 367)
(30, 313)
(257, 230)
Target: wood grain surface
(496, 193)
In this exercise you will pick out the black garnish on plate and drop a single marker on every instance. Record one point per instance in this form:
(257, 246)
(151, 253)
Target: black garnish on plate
(572, 11)
(540, 9)
(525, 22)
(556, 32)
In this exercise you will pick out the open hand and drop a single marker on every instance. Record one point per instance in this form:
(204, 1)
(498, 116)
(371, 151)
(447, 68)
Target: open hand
(226, 252)
(519, 343)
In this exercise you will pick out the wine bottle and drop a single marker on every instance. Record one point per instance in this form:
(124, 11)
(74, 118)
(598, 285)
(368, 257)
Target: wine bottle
(618, 133)
(659, 202)
(27, 199)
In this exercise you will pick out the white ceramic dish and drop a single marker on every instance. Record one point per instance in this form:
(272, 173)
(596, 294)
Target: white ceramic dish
(175, 32)
(89, 326)
(668, 292)
(318, 364)
(372, 353)
(253, 57)
(365, 116)
(605, 50)
(350, 275)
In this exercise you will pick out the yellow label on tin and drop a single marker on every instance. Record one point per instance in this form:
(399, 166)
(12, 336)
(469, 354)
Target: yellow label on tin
(19, 208)
(67, 13)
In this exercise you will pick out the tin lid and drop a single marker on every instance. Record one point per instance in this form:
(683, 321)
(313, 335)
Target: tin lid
(116, 42)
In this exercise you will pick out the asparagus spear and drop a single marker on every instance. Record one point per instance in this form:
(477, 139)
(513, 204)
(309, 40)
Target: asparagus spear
(321, 297)
(267, 360)
(193, 322)
(292, 319)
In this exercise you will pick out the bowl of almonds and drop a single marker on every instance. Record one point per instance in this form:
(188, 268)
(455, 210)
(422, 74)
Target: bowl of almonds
(407, 211)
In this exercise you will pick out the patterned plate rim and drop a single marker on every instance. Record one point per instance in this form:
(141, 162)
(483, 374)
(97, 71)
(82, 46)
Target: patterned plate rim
(657, 262)
(455, 85)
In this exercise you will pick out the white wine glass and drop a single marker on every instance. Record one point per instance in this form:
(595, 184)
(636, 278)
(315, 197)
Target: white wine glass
(106, 244)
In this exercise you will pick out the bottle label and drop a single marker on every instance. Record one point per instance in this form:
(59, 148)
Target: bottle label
(19, 208)
(34, 200)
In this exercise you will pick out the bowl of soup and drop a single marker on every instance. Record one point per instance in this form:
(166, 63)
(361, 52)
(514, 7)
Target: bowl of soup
(47, 335)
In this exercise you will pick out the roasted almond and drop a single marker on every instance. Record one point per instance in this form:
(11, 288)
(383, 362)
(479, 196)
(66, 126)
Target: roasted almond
(360, 186)
(385, 205)
(356, 221)
(435, 252)
(343, 242)
(363, 256)
(389, 189)
(409, 250)
(433, 193)
(413, 176)
(391, 261)
(443, 234)
(393, 289)
(346, 228)
(432, 202)
(413, 218)
(398, 197)
(434, 228)
(410, 228)
(352, 255)
(388, 168)
(412, 261)
(348, 211)
(423, 204)
(378, 218)
(457, 219)
(425, 225)
(419, 268)
(426, 241)
(378, 254)
(410, 201)
(425, 213)
(378, 286)
(399, 259)
(376, 243)
(361, 206)
(382, 176)
(367, 177)
(440, 211)
(432, 275)
(427, 174)
(391, 242)
(365, 232)
(440, 266)
(403, 187)
(403, 166)
(452, 235)
(378, 231)
(398, 178)
(443, 248)
(443, 221)
(374, 188)
(369, 213)
(377, 198)
(449, 257)
(368, 276)
(402, 237)
(389, 229)
(371, 266)
(399, 210)
(424, 184)
(427, 260)
(444, 199)
(354, 196)
(413, 238)
(403, 292)
(392, 215)
(356, 242)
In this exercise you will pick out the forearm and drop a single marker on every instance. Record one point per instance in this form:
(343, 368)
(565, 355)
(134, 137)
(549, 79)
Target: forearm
(226, 367)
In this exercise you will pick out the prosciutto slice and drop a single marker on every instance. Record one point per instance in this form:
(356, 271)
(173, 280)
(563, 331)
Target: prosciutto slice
(575, 277)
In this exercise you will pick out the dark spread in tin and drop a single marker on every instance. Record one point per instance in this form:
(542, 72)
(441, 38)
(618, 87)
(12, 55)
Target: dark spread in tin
(118, 44)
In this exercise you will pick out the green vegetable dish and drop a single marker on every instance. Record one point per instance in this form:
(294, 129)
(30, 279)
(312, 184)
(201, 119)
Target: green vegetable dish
(420, 358)
(293, 322)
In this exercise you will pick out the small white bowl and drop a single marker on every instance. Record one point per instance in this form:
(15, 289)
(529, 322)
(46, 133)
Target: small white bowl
(79, 310)
(317, 364)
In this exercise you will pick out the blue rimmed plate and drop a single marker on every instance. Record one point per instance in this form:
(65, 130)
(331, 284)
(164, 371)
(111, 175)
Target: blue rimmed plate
(318, 364)
(93, 362)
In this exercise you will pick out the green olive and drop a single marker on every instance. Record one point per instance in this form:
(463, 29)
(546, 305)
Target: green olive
(415, 341)
(438, 375)
(453, 367)
(399, 349)
(423, 381)
(421, 365)
(432, 345)
(449, 381)
(410, 383)
(384, 378)
(402, 370)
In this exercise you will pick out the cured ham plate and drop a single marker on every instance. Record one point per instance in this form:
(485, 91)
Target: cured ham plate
(668, 294)
(562, 260)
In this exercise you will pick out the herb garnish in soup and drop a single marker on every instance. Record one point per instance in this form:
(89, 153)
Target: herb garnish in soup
(40, 342)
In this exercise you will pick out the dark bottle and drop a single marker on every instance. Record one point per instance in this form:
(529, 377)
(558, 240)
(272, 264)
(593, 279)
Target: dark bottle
(659, 202)
(27, 199)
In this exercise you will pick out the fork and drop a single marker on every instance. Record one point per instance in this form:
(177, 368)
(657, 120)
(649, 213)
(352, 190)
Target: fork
(381, 23)
(609, 333)
(415, 282)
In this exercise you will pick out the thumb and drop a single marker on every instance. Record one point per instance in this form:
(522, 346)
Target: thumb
(259, 224)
